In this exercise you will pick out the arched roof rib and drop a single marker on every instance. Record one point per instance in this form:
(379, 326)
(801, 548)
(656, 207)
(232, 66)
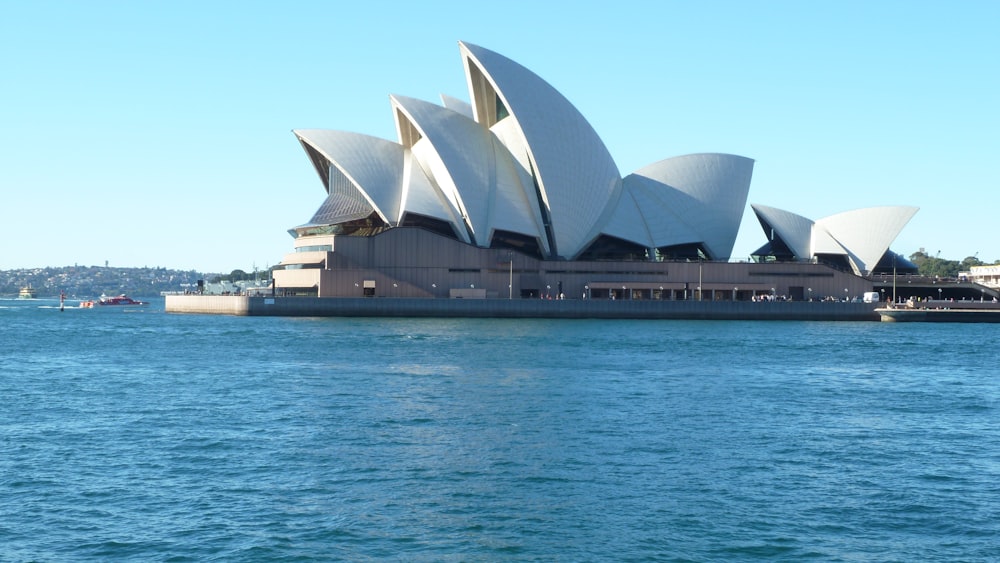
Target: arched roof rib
(576, 176)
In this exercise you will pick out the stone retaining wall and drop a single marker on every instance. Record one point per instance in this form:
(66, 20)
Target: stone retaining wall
(521, 308)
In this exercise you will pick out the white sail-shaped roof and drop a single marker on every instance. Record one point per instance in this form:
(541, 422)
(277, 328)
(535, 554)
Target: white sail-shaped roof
(867, 233)
(576, 177)
(457, 157)
(627, 222)
(709, 191)
(863, 235)
(372, 165)
(653, 200)
(472, 168)
(794, 230)
(461, 106)
(513, 210)
(521, 159)
(823, 243)
(422, 196)
(344, 204)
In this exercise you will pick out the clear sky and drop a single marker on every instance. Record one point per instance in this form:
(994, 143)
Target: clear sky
(159, 133)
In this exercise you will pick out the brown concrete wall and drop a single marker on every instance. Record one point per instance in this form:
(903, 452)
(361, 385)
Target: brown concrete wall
(410, 262)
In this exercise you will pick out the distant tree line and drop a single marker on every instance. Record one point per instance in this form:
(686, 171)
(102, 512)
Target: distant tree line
(240, 275)
(935, 266)
(92, 281)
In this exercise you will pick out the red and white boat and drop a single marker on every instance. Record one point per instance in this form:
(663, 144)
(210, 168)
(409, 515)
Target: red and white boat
(111, 301)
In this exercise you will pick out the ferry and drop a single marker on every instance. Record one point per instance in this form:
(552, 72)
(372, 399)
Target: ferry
(111, 301)
(27, 293)
(942, 311)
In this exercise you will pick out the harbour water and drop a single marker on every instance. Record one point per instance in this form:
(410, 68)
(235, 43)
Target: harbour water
(135, 434)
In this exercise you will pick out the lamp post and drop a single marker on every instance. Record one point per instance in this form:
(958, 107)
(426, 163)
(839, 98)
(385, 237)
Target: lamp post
(846, 295)
(735, 289)
(510, 279)
(894, 278)
(810, 290)
(939, 294)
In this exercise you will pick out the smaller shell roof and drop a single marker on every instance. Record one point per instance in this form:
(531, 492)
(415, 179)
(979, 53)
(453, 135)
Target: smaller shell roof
(627, 223)
(867, 233)
(708, 190)
(864, 235)
(372, 164)
(795, 230)
(660, 222)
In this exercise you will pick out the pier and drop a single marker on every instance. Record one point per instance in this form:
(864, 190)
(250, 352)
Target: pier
(942, 311)
(520, 308)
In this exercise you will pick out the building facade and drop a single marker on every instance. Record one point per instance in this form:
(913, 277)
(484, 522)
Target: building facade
(988, 276)
(514, 195)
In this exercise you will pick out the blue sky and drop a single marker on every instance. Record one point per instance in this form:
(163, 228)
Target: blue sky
(159, 134)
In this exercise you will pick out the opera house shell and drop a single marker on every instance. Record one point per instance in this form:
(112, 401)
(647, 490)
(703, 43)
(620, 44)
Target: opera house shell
(857, 239)
(515, 195)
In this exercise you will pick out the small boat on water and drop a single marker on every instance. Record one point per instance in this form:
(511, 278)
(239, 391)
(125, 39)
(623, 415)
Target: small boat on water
(111, 302)
(27, 292)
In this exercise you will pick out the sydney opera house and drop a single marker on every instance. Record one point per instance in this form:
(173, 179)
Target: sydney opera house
(514, 195)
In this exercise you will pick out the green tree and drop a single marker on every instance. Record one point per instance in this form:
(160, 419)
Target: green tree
(933, 266)
(969, 262)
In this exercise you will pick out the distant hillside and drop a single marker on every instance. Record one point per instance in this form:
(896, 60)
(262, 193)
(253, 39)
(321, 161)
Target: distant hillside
(92, 281)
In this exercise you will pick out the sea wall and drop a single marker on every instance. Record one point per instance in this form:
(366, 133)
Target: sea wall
(211, 304)
(521, 308)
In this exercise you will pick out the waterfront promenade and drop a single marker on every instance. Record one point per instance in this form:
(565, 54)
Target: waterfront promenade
(520, 308)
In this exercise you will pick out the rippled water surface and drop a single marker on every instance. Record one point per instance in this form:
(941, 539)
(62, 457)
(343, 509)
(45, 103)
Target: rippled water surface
(133, 434)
